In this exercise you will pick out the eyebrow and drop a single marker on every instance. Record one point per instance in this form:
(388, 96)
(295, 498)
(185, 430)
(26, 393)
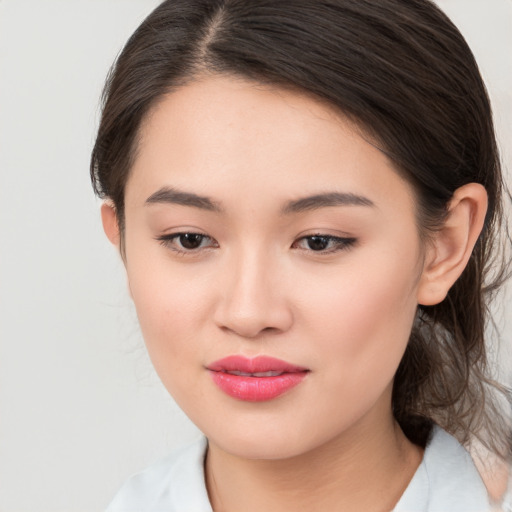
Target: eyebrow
(167, 195)
(326, 200)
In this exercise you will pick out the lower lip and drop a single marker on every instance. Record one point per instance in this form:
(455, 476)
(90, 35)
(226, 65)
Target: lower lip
(256, 389)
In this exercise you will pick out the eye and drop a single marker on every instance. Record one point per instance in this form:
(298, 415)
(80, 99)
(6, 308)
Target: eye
(324, 243)
(187, 242)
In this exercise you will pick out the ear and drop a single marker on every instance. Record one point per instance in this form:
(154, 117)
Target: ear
(451, 246)
(111, 227)
(110, 223)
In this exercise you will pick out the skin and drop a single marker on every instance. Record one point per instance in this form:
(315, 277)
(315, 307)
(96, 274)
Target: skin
(495, 473)
(256, 287)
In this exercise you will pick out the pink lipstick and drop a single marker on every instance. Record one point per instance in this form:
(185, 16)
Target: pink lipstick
(255, 380)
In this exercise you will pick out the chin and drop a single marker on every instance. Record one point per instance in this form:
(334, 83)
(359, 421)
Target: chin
(256, 447)
(266, 440)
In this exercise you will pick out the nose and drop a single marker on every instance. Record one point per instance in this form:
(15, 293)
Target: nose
(253, 298)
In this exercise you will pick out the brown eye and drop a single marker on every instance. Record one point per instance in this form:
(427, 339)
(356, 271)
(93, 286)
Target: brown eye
(317, 243)
(191, 240)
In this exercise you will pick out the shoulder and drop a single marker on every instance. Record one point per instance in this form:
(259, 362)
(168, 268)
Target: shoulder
(173, 484)
(446, 480)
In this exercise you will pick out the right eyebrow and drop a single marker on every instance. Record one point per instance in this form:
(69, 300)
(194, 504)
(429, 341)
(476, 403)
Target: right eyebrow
(168, 195)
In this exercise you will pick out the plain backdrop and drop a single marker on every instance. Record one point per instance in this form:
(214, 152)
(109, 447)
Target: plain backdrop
(80, 406)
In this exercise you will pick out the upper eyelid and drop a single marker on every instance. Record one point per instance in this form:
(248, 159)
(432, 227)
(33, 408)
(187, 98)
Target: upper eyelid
(171, 236)
(186, 232)
(325, 235)
(167, 236)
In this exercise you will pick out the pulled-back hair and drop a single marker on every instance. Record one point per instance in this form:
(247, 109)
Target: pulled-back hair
(403, 72)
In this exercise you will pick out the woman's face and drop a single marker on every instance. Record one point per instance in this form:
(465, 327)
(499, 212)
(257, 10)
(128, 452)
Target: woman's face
(260, 223)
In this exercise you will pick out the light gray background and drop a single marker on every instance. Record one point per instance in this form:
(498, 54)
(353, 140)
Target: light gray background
(80, 406)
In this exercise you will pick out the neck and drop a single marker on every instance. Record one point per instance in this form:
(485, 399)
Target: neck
(362, 469)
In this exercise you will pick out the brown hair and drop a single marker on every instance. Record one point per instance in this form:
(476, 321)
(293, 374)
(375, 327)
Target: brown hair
(405, 74)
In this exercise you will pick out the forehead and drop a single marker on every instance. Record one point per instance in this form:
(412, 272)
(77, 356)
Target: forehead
(222, 135)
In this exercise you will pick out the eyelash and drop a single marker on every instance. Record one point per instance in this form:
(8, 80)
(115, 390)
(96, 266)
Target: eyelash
(339, 243)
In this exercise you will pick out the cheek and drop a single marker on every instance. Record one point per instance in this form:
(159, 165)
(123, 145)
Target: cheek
(171, 309)
(363, 318)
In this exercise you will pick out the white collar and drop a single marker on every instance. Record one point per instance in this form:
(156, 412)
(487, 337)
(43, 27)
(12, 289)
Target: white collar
(446, 481)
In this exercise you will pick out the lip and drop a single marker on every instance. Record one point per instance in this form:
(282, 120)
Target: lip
(255, 388)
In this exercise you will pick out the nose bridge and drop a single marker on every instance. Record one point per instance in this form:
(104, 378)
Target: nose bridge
(254, 297)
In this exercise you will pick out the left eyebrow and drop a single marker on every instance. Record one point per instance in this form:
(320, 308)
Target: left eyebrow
(328, 199)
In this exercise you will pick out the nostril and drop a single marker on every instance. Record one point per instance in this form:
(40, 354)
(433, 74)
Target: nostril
(250, 309)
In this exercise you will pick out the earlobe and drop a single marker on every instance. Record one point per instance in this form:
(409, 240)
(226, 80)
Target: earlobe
(110, 222)
(451, 246)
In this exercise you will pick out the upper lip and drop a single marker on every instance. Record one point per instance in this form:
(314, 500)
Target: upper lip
(257, 364)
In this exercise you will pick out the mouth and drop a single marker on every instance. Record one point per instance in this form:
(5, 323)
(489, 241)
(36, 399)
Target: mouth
(256, 374)
(255, 380)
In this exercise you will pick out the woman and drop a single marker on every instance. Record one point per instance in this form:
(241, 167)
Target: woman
(307, 199)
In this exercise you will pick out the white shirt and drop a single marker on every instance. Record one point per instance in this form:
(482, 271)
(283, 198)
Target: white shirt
(445, 481)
